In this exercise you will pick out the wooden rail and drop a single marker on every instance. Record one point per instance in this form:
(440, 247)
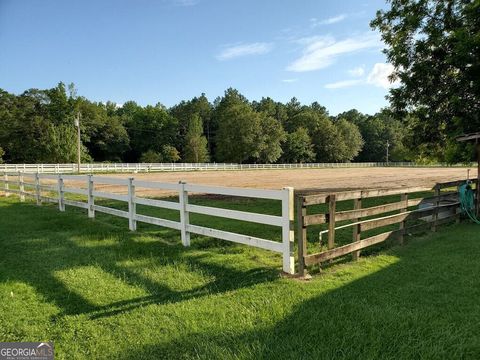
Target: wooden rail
(434, 210)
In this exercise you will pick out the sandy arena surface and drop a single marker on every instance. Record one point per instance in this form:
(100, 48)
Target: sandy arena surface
(303, 180)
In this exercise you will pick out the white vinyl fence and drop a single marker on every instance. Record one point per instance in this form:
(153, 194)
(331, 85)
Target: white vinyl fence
(16, 183)
(147, 167)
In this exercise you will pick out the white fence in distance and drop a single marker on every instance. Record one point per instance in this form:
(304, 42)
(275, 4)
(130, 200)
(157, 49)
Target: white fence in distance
(285, 196)
(153, 167)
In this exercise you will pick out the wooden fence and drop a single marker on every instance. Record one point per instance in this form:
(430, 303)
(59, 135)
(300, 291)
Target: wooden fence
(153, 167)
(431, 211)
(54, 191)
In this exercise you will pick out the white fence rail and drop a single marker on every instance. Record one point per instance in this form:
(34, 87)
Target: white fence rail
(56, 189)
(151, 167)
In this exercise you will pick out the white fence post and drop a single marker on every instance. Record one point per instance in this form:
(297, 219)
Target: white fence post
(38, 193)
(61, 194)
(21, 188)
(287, 231)
(5, 177)
(91, 201)
(132, 207)
(184, 215)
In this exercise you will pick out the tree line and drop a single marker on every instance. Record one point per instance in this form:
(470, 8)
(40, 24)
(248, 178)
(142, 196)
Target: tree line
(433, 45)
(37, 126)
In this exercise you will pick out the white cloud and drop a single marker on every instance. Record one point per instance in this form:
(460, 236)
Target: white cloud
(379, 75)
(321, 52)
(231, 52)
(308, 40)
(289, 80)
(357, 71)
(343, 84)
(314, 22)
(185, 2)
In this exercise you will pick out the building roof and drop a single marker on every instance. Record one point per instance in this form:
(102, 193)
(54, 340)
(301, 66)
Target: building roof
(466, 137)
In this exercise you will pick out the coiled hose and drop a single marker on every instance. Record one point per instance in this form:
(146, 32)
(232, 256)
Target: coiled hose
(467, 201)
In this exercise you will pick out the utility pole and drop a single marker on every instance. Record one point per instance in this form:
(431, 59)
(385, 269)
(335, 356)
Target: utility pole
(388, 145)
(77, 124)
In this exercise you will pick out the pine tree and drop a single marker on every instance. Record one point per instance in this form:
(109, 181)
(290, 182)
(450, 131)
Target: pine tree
(195, 142)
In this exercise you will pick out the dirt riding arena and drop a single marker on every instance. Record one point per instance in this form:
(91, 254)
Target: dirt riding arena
(303, 180)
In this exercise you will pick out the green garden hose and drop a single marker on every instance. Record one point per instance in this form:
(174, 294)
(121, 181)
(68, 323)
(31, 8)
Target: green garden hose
(467, 203)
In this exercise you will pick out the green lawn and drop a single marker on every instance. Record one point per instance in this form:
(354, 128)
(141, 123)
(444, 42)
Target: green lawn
(101, 292)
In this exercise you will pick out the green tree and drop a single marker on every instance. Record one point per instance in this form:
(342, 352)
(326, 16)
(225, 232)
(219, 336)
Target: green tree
(245, 134)
(221, 105)
(378, 130)
(170, 153)
(434, 47)
(183, 112)
(195, 143)
(273, 117)
(151, 156)
(62, 147)
(38, 126)
(293, 107)
(103, 132)
(270, 139)
(238, 133)
(298, 147)
(274, 109)
(327, 142)
(150, 128)
(306, 118)
(350, 140)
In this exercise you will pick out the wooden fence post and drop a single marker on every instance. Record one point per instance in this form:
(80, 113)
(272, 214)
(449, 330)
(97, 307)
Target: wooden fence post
(302, 235)
(403, 224)
(435, 210)
(458, 210)
(331, 220)
(91, 200)
(357, 205)
(288, 235)
(132, 207)
(61, 194)
(184, 215)
(21, 188)
(5, 177)
(38, 192)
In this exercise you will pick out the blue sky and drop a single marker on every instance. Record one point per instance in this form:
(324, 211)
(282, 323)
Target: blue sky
(169, 50)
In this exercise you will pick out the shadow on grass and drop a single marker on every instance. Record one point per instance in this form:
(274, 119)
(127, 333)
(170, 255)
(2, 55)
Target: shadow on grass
(422, 306)
(32, 253)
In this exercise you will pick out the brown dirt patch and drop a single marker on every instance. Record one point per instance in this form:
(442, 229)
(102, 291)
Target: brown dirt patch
(303, 180)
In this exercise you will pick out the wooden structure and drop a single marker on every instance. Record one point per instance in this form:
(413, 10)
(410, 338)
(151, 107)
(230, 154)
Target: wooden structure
(474, 137)
(429, 211)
